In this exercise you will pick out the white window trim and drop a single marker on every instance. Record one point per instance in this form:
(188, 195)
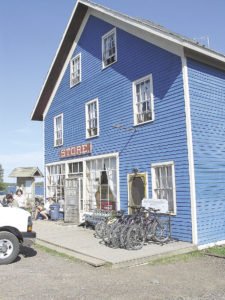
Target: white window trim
(74, 58)
(162, 164)
(60, 115)
(84, 160)
(86, 118)
(103, 37)
(134, 99)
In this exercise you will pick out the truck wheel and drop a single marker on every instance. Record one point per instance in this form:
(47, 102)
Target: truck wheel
(9, 247)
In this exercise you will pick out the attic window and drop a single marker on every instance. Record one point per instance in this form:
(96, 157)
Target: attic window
(109, 48)
(75, 70)
(58, 130)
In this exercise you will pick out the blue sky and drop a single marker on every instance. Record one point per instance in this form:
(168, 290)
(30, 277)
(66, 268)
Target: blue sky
(30, 32)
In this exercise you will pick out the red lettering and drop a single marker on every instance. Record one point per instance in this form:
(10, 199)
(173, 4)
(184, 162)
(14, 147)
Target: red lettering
(76, 150)
(62, 153)
(73, 151)
(79, 150)
(84, 149)
(68, 152)
(89, 148)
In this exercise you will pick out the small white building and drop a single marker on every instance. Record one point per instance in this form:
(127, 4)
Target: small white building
(25, 180)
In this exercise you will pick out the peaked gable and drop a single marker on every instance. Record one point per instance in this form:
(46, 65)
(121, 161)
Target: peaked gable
(187, 46)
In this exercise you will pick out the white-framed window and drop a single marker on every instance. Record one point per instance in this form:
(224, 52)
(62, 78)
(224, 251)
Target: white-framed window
(109, 48)
(163, 184)
(143, 103)
(75, 70)
(75, 169)
(101, 184)
(92, 118)
(58, 130)
(55, 181)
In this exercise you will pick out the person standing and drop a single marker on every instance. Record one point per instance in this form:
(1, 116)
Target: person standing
(19, 197)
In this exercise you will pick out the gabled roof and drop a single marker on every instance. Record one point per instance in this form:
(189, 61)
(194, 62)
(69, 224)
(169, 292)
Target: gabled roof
(190, 47)
(26, 172)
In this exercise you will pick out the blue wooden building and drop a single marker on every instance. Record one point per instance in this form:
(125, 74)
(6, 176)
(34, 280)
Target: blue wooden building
(131, 111)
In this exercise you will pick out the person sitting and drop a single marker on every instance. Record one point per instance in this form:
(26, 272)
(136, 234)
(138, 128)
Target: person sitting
(44, 211)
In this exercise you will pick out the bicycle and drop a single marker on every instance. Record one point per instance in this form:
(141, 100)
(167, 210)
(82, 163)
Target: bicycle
(119, 232)
(150, 227)
(102, 228)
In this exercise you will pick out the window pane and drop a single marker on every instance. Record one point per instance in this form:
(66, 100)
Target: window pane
(92, 119)
(75, 170)
(109, 49)
(75, 70)
(80, 167)
(106, 163)
(164, 184)
(99, 165)
(143, 101)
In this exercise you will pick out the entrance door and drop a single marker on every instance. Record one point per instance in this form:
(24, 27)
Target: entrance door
(137, 190)
(73, 200)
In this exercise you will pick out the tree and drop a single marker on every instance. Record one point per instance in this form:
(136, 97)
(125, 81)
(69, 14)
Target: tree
(2, 186)
(1, 173)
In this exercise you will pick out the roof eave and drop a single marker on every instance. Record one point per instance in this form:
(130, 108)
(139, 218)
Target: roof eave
(211, 60)
(59, 59)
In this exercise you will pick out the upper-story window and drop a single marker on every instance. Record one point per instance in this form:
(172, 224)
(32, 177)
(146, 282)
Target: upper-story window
(109, 48)
(92, 118)
(58, 130)
(75, 70)
(143, 100)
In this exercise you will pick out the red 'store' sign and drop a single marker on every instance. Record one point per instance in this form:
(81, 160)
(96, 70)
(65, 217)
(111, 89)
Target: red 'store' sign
(76, 150)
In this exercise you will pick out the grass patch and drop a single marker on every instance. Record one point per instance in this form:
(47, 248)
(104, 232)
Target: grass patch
(56, 253)
(176, 258)
(217, 250)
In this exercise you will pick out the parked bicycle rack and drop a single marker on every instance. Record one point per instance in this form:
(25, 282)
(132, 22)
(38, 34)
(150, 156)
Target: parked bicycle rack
(96, 216)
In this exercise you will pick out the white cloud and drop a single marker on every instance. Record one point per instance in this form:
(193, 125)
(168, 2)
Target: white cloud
(30, 159)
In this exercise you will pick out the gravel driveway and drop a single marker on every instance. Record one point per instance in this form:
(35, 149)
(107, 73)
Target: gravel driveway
(41, 275)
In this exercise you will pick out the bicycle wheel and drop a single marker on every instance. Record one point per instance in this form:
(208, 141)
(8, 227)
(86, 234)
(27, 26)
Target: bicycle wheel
(107, 234)
(100, 228)
(135, 238)
(123, 235)
(161, 231)
(115, 236)
(150, 231)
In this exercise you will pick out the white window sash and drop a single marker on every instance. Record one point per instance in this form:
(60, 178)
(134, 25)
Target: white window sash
(109, 48)
(160, 184)
(58, 130)
(92, 118)
(143, 100)
(75, 70)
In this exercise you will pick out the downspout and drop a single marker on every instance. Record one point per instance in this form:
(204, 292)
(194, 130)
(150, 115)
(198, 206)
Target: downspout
(190, 150)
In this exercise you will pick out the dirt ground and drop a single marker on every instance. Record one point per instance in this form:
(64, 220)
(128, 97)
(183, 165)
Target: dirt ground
(41, 275)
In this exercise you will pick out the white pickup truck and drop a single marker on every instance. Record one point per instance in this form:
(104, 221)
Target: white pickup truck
(15, 229)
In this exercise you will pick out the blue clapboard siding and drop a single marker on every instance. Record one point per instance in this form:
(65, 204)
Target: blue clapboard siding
(207, 93)
(160, 141)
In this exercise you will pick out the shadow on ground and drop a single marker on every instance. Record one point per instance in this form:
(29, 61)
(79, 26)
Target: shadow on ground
(26, 252)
